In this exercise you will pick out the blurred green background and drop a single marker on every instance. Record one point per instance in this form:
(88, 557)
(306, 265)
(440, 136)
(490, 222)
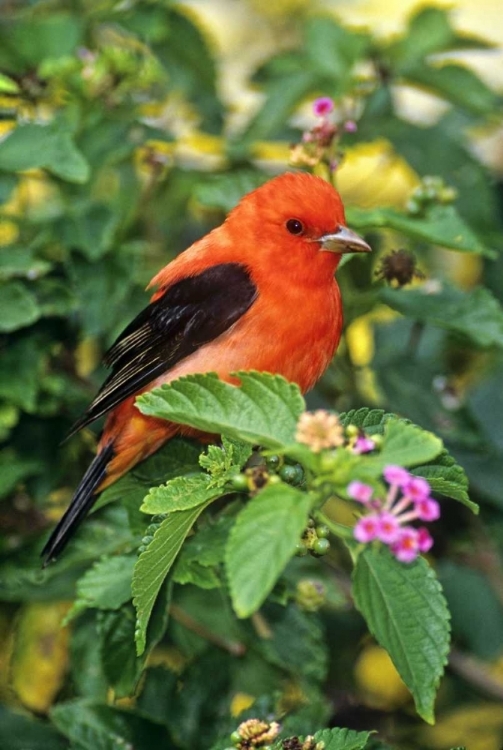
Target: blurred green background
(128, 130)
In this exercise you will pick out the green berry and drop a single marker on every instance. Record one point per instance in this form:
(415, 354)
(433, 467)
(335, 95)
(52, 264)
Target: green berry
(293, 475)
(322, 531)
(239, 483)
(273, 463)
(352, 430)
(300, 549)
(320, 547)
(235, 737)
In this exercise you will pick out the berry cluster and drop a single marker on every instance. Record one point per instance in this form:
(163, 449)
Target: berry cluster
(314, 540)
(408, 499)
(431, 190)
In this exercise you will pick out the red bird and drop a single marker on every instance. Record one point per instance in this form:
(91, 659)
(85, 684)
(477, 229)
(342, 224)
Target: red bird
(258, 292)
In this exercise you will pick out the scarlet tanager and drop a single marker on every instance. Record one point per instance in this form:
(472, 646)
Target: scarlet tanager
(257, 292)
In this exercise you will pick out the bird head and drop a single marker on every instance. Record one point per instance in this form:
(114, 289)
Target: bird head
(301, 216)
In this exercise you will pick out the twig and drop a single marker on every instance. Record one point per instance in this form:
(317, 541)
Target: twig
(475, 673)
(235, 648)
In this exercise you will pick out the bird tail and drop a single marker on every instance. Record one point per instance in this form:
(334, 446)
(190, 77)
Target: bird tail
(81, 503)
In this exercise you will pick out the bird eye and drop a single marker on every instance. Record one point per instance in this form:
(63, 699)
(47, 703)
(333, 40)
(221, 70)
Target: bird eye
(295, 226)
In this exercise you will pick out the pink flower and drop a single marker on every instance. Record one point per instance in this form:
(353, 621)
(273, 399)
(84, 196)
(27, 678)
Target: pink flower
(323, 106)
(427, 509)
(360, 492)
(425, 539)
(396, 475)
(406, 547)
(366, 529)
(389, 528)
(350, 126)
(363, 445)
(416, 488)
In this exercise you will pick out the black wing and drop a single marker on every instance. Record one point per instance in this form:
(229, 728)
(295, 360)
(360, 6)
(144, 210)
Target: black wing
(191, 313)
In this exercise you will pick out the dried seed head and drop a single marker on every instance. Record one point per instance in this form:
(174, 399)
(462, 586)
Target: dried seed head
(319, 430)
(399, 266)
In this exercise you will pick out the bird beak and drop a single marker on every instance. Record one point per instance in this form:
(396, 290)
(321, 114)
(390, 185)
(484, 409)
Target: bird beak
(344, 240)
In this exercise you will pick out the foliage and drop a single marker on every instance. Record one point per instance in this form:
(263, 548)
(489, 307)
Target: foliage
(203, 591)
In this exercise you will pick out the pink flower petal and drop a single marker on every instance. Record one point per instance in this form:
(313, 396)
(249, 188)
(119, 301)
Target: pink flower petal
(425, 539)
(363, 445)
(416, 488)
(323, 106)
(406, 547)
(366, 529)
(389, 528)
(427, 509)
(360, 492)
(396, 475)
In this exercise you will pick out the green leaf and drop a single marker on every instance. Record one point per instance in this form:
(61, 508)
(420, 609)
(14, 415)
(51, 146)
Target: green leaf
(333, 50)
(457, 84)
(91, 726)
(49, 146)
(261, 543)
(154, 564)
(406, 445)
(121, 666)
(342, 739)
(475, 314)
(222, 462)
(20, 261)
(18, 732)
(13, 470)
(446, 477)
(18, 307)
(263, 410)
(429, 32)
(481, 632)
(224, 191)
(405, 610)
(440, 225)
(443, 473)
(180, 493)
(107, 585)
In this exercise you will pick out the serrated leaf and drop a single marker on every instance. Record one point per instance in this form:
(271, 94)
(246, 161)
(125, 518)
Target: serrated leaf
(448, 478)
(405, 610)
(107, 585)
(180, 493)
(475, 314)
(202, 553)
(261, 543)
(18, 307)
(406, 445)
(443, 473)
(263, 410)
(154, 564)
(342, 739)
(440, 225)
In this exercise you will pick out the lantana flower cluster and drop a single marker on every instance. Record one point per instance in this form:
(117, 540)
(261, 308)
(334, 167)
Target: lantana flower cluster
(322, 430)
(320, 144)
(389, 520)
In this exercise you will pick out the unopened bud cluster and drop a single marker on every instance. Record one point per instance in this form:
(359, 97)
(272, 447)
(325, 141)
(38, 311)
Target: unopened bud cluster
(319, 145)
(431, 190)
(255, 733)
(321, 430)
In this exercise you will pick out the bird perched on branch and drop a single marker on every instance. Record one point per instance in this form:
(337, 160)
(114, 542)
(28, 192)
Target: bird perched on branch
(257, 292)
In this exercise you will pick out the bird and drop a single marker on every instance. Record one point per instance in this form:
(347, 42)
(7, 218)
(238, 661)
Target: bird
(257, 292)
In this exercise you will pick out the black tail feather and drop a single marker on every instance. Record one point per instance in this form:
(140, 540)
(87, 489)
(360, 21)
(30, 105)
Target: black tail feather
(81, 503)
